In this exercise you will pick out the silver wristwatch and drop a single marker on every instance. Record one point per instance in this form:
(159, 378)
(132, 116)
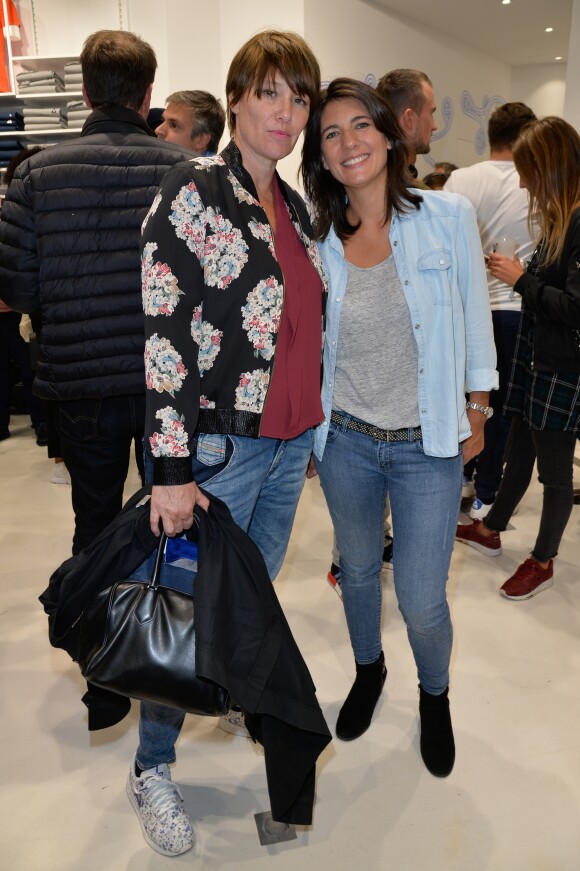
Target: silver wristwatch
(487, 410)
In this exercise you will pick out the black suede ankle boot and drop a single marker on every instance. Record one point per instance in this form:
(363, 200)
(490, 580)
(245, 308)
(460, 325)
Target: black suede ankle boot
(357, 712)
(437, 744)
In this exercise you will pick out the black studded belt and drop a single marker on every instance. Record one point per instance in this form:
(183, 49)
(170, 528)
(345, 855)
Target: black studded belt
(407, 434)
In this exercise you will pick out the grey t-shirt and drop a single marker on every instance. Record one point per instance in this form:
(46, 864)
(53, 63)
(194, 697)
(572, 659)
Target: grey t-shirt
(376, 361)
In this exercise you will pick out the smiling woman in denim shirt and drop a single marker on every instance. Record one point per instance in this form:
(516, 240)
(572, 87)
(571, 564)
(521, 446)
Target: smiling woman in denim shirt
(408, 332)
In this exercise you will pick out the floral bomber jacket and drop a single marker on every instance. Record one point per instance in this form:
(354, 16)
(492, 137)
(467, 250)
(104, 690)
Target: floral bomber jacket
(213, 295)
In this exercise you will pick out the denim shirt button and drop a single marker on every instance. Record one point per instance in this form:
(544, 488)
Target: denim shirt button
(406, 282)
(417, 326)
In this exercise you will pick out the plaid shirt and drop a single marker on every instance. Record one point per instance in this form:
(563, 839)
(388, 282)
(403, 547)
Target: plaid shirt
(545, 401)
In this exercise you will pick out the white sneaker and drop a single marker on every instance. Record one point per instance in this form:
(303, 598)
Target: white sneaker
(159, 805)
(234, 722)
(60, 474)
(479, 509)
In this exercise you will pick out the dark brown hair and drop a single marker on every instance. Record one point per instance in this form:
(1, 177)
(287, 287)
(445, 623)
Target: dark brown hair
(327, 195)
(505, 124)
(547, 157)
(118, 67)
(265, 53)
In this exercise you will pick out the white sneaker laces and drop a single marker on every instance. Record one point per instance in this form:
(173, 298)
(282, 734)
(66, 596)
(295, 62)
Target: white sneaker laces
(161, 793)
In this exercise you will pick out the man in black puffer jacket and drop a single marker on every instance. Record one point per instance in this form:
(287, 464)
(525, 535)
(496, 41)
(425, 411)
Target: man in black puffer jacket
(69, 248)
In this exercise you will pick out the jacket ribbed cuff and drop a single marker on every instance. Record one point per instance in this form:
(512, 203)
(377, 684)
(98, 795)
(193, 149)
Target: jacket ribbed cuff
(169, 471)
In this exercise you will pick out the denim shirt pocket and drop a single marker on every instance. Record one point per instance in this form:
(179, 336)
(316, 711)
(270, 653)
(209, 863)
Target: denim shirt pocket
(433, 267)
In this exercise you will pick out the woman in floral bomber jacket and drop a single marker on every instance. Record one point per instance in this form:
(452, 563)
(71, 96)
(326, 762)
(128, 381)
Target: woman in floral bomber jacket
(232, 282)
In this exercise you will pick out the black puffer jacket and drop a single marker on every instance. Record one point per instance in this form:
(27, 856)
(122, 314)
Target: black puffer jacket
(69, 247)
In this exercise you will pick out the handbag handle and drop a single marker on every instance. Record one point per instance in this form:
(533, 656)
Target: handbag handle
(154, 582)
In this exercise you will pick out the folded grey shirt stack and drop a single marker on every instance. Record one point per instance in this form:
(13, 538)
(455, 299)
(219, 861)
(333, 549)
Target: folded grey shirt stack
(36, 118)
(73, 76)
(77, 113)
(39, 82)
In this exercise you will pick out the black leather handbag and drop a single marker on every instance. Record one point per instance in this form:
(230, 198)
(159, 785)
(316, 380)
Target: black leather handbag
(138, 639)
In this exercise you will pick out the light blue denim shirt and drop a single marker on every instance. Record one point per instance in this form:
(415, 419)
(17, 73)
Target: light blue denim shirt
(439, 261)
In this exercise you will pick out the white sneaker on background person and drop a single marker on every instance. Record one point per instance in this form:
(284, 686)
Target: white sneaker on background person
(60, 474)
(479, 509)
(158, 804)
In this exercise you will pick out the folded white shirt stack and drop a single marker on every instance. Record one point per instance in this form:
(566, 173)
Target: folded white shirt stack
(39, 82)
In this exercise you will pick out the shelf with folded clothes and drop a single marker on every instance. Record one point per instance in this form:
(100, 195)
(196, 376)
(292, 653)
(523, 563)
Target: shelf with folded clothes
(41, 75)
(41, 97)
(40, 133)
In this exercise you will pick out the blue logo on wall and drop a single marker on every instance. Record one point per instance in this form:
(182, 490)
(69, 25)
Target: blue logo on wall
(480, 115)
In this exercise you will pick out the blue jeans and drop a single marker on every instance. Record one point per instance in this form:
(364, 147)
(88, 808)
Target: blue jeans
(260, 480)
(357, 473)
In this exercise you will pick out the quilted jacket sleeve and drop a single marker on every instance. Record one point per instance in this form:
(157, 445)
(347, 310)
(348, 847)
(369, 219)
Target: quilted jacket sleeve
(18, 253)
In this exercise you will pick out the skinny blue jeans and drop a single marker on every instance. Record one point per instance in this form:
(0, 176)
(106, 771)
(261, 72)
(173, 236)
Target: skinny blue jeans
(357, 473)
(260, 480)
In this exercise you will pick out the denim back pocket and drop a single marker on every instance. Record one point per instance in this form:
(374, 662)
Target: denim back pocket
(434, 266)
(211, 448)
(78, 419)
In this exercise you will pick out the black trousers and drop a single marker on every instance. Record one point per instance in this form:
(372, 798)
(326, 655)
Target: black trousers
(13, 348)
(555, 454)
(96, 436)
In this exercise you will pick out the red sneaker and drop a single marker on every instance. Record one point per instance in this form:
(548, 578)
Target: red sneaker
(470, 533)
(529, 578)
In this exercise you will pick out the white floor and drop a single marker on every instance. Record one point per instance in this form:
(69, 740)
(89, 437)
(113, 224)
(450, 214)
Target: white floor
(511, 803)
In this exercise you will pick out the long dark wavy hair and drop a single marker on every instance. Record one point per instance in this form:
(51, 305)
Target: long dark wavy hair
(327, 195)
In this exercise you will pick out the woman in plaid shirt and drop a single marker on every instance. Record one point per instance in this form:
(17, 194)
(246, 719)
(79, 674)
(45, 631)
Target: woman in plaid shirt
(544, 389)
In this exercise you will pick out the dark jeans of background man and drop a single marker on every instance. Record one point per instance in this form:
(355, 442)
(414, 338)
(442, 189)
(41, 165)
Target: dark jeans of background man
(96, 437)
(554, 451)
(13, 348)
(488, 465)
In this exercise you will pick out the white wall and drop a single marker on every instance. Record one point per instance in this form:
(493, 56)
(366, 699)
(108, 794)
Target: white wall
(196, 39)
(383, 41)
(541, 87)
(572, 102)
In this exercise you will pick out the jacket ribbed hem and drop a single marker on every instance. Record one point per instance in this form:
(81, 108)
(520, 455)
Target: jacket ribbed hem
(228, 421)
(169, 471)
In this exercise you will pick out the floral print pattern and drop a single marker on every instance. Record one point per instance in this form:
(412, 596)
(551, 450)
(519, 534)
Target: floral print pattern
(164, 369)
(152, 210)
(188, 217)
(251, 391)
(313, 252)
(240, 193)
(217, 244)
(207, 162)
(207, 338)
(204, 402)
(262, 314)
(160, 289)
(172, 440)
(263, 232)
